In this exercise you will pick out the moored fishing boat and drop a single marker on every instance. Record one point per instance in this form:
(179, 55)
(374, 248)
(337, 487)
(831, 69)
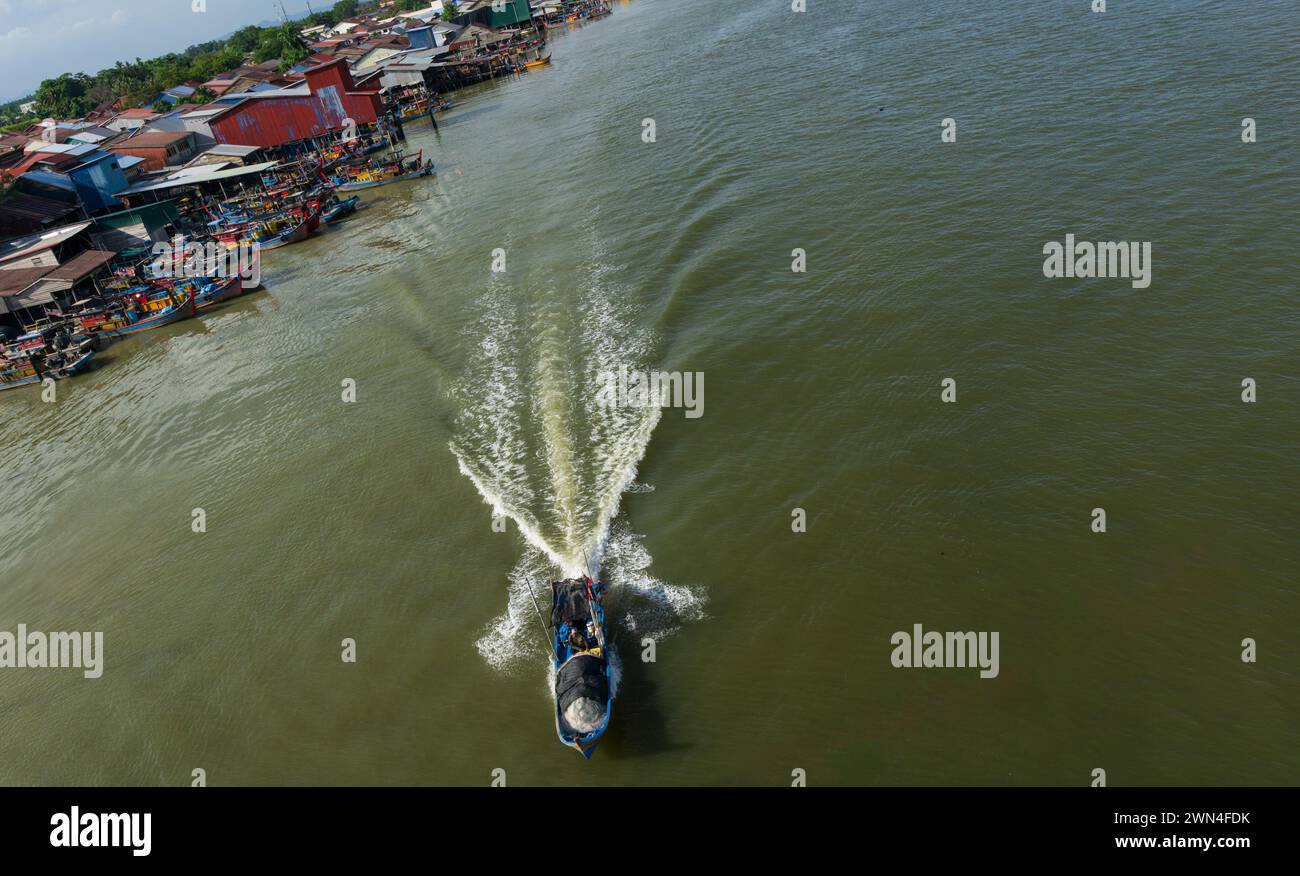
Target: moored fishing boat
(78, 362)
(340, 209)
(278, 231)
(135, 311)
(18, 368)
(215, 290)
(372, 176)
(17, 372)
(580, 660)
(537, 62)
(416, 110)
(309, 212)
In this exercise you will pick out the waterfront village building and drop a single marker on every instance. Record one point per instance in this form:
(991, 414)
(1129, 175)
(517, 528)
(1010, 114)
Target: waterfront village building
(159, 149)
(321, 104)
(131, 119)
(247, 78)
(56, 181)
(45, 269)
(484, 13)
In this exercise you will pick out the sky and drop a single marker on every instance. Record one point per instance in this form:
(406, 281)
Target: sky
(40, 39)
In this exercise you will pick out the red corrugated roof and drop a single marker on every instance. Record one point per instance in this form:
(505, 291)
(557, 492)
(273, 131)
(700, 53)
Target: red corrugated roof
(58, 159)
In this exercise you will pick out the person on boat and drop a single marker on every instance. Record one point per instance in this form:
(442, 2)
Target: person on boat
(577, 640)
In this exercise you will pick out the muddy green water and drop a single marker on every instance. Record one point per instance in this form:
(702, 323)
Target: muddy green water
(774, 131)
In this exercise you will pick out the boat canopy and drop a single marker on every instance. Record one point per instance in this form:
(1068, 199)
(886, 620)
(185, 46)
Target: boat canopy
(581, 691)
(570, 603)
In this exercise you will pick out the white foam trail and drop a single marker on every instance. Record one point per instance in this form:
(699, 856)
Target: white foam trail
(541, 451)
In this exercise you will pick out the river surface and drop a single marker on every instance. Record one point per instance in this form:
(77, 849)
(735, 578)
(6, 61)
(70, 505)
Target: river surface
(475, 394)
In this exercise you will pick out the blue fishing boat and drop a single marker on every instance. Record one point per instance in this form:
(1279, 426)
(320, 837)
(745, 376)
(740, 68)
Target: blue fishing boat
(584, 692)
(216, 290)
(278, 231)
(134, 311)
(370, 180)
(79, 361)
(60, 364)
(340, 210)
(379, 175)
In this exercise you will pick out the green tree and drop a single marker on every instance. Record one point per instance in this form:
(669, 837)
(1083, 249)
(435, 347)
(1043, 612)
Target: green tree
(325, 17)
(281, 42)
(200, 95)
(246, 39)
(344, 9)
(209, 64)
(64, 97)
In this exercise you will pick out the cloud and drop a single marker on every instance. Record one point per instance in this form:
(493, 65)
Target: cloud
(40, 39)
(18, 33)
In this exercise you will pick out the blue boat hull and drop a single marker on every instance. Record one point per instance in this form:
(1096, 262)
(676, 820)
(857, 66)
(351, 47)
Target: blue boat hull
(357, 186)
(175, 313)
(75, 367)
(341, 210)
(218, 291)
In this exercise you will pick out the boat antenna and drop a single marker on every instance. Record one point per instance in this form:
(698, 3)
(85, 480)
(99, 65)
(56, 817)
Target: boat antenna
(591, 609)
(545, 634)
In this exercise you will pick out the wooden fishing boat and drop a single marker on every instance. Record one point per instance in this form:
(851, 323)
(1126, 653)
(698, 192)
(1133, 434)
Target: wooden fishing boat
(379, 176)
(309, 212)
(416, 110)
(340, 210)
(39, 339)
(228, 230)
(135, 312)
(17, 372)
(61, 364)
(370, 180)
(537, 62)
(215, 290)
(580, 658)
(276, 232)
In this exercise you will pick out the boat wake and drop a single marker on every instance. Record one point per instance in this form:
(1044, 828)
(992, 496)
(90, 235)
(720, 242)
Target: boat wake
(543, 453)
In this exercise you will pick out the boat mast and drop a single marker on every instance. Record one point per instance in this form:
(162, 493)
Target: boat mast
(545, 634)
(591, 608)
